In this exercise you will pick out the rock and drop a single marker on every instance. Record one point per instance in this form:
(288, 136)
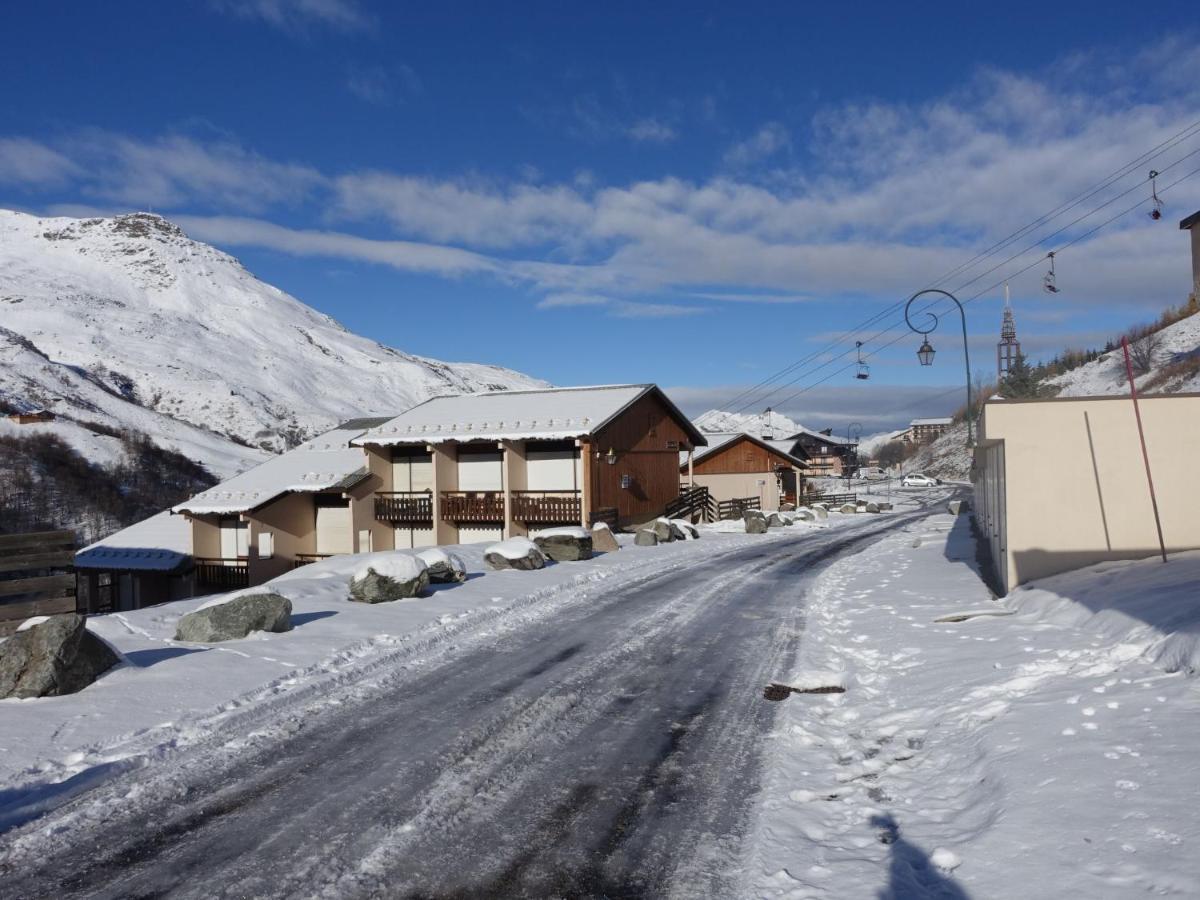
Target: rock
(806, 515)
(787, 507)
(443, 567)
(603, 539)
(820, 512)
(916, 542)
(885, 507)
(662, 530)
(515, 553)
(54, 657)
(677, 531)
(823, 506)
(236, 618)
(685, 530)
(565, 544)
(756, 525)
(388, 577)
(861, 509)
(776, 521)
(955, 507)
(848, 508)
(646, 537)
(872, 507)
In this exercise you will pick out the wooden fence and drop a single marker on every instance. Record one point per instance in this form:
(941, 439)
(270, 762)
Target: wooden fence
(36, 576)
(728, 509)
(693, 503)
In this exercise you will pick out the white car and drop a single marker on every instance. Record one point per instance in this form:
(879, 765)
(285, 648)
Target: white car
(916, 479)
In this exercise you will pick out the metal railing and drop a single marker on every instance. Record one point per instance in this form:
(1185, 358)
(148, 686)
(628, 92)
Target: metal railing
(473, 506)
(404, 506)
(547, 506)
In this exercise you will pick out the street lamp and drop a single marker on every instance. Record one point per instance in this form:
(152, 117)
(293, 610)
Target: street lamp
(925, 352)
(853, 433)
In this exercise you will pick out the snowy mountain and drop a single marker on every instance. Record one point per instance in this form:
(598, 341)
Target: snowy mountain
(717, 422)
(1177, 367)
(129, 322)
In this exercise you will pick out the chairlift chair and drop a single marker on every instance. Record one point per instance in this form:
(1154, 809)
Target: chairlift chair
(1048, 284)
(1156, 212)
(864, 371)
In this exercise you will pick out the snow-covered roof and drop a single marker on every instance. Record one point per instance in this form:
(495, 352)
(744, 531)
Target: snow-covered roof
(550, 414)
(327, 462)
(718, 442)
(943, 420)
(160, 543)
(824, 438)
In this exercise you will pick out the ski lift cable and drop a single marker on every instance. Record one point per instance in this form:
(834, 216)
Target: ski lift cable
(1168, 144)
(987, 290)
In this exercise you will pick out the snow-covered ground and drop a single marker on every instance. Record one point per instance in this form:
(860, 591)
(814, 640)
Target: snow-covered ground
(1038, 746)
(169, 694)
(1106, 375)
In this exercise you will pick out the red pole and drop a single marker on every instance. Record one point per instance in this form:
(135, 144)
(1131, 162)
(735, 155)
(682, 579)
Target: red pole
(1162, 546)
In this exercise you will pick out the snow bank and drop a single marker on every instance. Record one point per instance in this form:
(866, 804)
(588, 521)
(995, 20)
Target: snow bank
(397, 566)
(1142, 603)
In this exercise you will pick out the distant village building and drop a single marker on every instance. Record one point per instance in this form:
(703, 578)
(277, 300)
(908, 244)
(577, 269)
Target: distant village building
(31, 417)
(1092, 503)
(826, 454)
(739, 466)
(925, 431)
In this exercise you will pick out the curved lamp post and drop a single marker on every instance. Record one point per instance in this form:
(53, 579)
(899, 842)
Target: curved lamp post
(853, 433)
(925, 352)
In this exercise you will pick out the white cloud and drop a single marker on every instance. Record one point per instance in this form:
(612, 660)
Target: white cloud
(559, 301)
(652, 131)
(770, 139)
(619, 308)
(299, 16)
(27, 163)
(384, 86)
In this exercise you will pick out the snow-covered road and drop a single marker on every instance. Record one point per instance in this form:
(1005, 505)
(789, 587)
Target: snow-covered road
(609, 749)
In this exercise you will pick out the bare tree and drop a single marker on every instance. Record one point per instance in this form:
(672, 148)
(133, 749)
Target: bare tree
(1144, 352)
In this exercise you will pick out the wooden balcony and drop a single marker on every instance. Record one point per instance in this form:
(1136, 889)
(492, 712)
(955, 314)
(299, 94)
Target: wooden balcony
(404, 507)
(548, 507)
(305, 559)
(222, 574)
(473, 506)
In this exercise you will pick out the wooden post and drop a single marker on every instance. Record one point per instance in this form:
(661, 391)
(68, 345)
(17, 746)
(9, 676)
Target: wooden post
(1162, 546)
(691, 467)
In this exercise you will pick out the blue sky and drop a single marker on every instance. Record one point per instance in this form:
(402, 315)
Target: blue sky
(667, 192)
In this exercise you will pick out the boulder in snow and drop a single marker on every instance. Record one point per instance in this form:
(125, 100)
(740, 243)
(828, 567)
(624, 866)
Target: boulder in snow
(646, 537)
(805, 515)
(565, 544)
(684, 530)
(787, 507)
(444, 567)
(515, 553)
(395, 576)
(229, 620)
(820, 512)
(955, 507)
(872, 507)
(756, 525)
(778, 520)
(603, 539)
(662, 530)
(848, 508)
(53, 657)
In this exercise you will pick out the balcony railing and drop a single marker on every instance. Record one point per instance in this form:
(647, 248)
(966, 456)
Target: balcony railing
(548, 507)
(304, 559)
(404, 506)
(222, 574)
(473, 506)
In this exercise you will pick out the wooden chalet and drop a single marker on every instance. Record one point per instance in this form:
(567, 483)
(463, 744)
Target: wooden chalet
(740, 466)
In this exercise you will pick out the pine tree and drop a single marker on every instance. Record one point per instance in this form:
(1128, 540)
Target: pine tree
(1021, 381)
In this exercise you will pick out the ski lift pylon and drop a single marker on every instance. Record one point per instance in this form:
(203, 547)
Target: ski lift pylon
(864, 371)
(1156, 212)
(1048, 283)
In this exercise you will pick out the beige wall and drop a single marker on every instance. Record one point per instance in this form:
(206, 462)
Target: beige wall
(291, 520)
(742, 484)
(1067, 486)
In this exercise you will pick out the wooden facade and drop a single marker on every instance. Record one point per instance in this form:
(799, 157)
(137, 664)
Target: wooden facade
(36, 578)
(646, 439)
(742, 456)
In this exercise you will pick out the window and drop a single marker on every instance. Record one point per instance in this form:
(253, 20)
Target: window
(266, 545)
